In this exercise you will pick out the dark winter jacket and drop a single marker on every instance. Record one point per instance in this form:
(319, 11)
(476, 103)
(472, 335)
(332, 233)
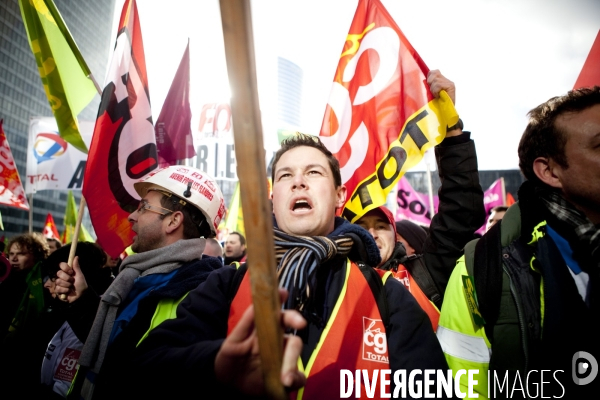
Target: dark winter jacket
(182, 351)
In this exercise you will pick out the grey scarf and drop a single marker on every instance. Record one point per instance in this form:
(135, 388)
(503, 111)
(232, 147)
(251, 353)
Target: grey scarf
(158, 261)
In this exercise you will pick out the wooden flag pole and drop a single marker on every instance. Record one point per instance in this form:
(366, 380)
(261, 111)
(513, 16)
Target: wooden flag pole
(82, 205)
(249, 150)
(76, 232)
(30, 213)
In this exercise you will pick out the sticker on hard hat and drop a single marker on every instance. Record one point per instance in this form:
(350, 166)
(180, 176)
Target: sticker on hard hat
(220, 213)
(209, 184)
(195, 185)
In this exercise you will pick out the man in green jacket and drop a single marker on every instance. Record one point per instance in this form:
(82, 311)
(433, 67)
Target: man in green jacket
(522, 304)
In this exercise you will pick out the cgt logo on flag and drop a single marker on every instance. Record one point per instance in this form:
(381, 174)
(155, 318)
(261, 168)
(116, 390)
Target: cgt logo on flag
(48, 146)
(374, 341)
(381, 116)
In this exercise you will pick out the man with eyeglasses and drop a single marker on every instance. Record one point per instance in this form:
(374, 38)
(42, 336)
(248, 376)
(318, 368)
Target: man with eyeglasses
(180, 207)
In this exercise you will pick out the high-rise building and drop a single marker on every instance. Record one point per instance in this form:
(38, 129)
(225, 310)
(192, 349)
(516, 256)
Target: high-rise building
(289, 94)
(22, 95)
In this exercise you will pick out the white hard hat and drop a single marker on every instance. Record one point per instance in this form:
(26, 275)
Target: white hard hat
(190, 185)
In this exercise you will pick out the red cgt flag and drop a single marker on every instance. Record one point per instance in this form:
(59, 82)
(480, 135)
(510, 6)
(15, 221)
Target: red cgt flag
(50, 230)
(123, 148)
(11, 189)
(590, 73)
(381, 116)
(173, 127)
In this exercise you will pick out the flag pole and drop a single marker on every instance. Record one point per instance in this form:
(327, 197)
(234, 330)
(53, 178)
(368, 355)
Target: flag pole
(430, 190)
(503, 191)
(249, 149)
(30, 212)
(60, 23)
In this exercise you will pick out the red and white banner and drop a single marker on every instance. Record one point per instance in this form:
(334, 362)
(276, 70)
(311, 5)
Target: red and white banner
(381, 116)
(413, 205)
(52, 163)
(123, 149)
(11, 189)
(50, 230)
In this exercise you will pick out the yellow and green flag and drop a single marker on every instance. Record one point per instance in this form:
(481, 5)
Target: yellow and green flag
(70, 221)
(62, 68)
(235, 219)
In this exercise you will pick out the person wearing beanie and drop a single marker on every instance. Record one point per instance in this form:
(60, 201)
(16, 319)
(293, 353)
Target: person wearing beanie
(424, 261)
(63, 350)
(411, 235)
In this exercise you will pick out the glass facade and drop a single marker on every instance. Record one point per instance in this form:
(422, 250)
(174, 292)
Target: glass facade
(289, 94)
(22, 95)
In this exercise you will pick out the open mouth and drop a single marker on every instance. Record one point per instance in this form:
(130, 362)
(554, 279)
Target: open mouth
(300, 205)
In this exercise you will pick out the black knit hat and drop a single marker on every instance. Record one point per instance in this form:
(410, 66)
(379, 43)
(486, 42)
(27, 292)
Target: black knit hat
(91, 259)
(412, 233)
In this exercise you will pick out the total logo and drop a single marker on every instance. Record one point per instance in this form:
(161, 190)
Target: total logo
(48, 146)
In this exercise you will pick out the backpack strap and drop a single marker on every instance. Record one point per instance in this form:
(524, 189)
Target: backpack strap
(483, 260)
(375, 283)
(417, 268)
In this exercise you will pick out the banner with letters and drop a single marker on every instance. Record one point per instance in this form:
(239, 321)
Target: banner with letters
(123, 147)
(413, 205)
(492, 197)
(52, 163)
(381, 116)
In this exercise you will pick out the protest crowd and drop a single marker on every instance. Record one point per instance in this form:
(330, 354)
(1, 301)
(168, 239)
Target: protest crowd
(495, 301)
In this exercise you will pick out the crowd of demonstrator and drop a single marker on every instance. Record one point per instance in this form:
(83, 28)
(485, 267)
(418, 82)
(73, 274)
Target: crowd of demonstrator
(175, 317)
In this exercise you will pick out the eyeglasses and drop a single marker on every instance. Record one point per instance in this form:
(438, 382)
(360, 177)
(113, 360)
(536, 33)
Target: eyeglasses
(144, 205)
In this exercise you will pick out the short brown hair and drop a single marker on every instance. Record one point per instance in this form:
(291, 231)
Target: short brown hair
(195, 224)
(242, 238)
(34, 243)
(542, 138)
(302, 139)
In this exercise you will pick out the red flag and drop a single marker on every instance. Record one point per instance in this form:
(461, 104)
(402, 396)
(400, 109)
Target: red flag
(510, 200)
(381, 116)
(50, 230)
(123, 148)
(11, 189)
(590, 73)
(173, 127)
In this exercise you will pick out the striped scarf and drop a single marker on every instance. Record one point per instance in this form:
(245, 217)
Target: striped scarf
(298, 258)
(586, 235)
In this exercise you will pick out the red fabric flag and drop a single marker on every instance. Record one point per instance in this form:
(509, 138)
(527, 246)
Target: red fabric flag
(510, 200)
(11, 189)
(174, 140)
(50, 230)
(123, 148)
(590, 73)
(381, 116)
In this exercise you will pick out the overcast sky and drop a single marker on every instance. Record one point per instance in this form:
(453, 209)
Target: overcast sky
(505, 56)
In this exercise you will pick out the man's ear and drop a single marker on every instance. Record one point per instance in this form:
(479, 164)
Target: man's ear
(341, 193)
(548, 171)
(175, 221)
